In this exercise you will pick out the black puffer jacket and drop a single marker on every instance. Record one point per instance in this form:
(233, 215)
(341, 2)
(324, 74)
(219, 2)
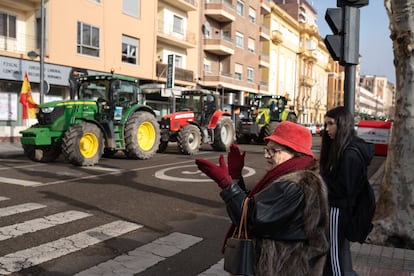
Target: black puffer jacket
(288, 221)
(343, 187)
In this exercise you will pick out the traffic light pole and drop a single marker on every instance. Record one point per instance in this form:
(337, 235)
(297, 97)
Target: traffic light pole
(349, 87)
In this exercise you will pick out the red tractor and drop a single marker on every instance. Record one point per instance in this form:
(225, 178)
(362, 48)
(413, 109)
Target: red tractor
(198, 120)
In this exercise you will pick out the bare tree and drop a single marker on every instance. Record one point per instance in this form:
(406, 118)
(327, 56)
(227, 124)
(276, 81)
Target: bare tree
(394, 221)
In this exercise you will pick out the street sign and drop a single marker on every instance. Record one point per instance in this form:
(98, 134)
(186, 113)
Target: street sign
(170, 72)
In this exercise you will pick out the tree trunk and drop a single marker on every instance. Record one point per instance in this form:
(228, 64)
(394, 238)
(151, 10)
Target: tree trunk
(394, 220)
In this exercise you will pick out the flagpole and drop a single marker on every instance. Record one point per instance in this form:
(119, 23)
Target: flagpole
(42, 51)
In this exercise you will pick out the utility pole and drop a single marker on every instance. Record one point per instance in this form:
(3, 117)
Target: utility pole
(42, 52)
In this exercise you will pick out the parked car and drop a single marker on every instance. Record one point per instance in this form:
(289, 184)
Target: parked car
(319, 129)
(311, 127)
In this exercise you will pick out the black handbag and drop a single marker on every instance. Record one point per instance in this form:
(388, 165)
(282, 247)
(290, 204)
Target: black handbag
(239, 250)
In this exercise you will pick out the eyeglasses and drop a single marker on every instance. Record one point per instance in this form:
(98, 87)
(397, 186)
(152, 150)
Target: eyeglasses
(270, 151)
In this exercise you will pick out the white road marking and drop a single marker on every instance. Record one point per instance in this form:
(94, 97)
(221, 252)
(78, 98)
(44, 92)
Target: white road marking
(3, 198)
(21, 182)
(161, 174)
(215, 270)
(98, 168)
(110, 173)
(18, 167)
(30, 226)
(143, 257)
(21, 208)
(36, 255)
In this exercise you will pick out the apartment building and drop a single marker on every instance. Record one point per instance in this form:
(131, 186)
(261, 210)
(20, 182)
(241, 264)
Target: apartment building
(303, 47)
(237, 47)
(233, 52)
(377, 97)
(335, 92)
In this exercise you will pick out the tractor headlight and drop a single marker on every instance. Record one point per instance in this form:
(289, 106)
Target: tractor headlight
(48, 109)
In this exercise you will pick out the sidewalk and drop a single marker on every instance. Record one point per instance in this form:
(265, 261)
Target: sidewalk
(368, 259)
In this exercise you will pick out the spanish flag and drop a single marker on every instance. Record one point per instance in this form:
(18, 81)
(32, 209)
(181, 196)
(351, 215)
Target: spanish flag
(29, 105)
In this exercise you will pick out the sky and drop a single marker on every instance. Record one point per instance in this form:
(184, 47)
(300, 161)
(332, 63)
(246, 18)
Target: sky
(375, 45)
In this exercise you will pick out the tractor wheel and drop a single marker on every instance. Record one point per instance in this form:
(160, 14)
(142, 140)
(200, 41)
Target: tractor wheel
(223, 134)
(266, 131)
(142, 136)
(243, 139)
(83, 144)
(43, 154)
(162, 147)
(272, 127)
(189, 139)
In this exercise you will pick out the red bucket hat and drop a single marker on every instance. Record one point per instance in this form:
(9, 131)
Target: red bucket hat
(294, 136)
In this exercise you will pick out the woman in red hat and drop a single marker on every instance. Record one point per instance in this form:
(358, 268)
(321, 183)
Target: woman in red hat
(288, 208)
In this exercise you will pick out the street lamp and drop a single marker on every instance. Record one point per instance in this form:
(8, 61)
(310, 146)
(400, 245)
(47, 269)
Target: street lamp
(32, 55)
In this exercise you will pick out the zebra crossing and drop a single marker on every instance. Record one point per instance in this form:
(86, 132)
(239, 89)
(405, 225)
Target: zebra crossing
(130, 263)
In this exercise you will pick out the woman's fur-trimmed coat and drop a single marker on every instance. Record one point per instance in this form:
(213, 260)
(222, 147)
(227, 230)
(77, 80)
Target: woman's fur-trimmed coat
(289, 223)
(305, 257)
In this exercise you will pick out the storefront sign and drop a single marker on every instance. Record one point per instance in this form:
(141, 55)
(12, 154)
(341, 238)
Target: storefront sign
(14, 69)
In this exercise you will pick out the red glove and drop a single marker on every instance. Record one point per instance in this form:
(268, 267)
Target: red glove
(235, 161)
(218, 173)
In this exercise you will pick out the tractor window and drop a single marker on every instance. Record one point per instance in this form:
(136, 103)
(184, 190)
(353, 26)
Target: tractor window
(190, 102)
(209, 103)
(92, 91)
(126, 93)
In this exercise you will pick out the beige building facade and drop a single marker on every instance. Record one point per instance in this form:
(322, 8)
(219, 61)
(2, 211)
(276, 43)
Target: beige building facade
(237, 47)
(376, 97)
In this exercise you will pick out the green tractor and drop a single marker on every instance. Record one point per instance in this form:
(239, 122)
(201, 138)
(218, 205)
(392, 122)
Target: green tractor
(262, 117)
(105, 115)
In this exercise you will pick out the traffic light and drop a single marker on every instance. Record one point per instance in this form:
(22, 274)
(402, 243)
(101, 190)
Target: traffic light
(334, 42)
(352, 3)
(343, 45)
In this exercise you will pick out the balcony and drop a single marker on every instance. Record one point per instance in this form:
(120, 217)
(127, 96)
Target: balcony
(219, 45)
(220, 10)
(21, 5)
(307, 81)
(180, 74)
(264, 33)
(263, 87)
(264, 60)
(184, 5)
(310, 55)
(277, 37)
(168, 34)
(265, 6)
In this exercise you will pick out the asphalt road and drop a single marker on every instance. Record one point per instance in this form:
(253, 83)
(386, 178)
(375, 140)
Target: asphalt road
(127, 217)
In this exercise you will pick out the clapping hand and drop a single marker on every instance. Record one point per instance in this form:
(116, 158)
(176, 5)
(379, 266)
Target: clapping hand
(219, 173)
(235, 161)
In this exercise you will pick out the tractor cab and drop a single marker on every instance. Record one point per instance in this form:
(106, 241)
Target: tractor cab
(260, 121)
(272, 105)
(112, 94)
(202, 103)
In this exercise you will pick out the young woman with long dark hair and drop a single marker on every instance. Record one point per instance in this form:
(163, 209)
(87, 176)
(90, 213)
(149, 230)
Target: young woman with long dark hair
(343, 159)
